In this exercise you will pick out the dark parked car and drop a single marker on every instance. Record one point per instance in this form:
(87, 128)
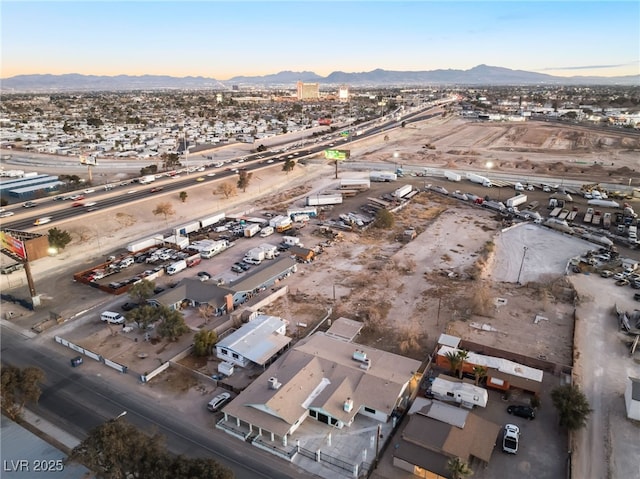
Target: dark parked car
(204, 276)
(522, 411)
(158, 290)
(130, 306)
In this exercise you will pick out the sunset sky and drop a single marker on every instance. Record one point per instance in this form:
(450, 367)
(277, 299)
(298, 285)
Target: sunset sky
(220, 39)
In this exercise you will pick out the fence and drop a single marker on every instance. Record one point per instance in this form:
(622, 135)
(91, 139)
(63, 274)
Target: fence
(361, 469)
(86, 352)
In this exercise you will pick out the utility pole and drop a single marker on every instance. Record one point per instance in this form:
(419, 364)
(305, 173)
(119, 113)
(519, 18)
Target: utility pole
(524, 254)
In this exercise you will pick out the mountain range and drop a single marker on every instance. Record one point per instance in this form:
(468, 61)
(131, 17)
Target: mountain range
(481, 75)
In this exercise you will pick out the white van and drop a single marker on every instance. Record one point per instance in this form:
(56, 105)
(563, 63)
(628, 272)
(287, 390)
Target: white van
(111, 317)
(177, 267)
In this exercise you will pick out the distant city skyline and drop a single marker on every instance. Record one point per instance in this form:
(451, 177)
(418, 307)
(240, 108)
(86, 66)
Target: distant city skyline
(221, 40)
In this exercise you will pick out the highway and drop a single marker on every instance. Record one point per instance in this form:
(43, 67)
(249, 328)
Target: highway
(57, 211)
(78, 402)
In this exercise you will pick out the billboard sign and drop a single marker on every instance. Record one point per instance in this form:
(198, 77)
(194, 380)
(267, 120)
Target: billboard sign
(337, 154)
(90, 160)
(14, 245)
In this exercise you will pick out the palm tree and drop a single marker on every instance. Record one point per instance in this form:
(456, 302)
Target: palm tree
(462, 356)
(479, 372)
(454, 361)
(458, 468)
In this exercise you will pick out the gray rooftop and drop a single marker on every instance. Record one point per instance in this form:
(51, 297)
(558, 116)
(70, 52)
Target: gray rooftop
(345, 329)
(258, 340)
(195, 290)
(320, 373)
(268, 270)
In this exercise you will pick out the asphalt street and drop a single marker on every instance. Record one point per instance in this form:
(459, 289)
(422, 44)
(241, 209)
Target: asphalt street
(77, 403)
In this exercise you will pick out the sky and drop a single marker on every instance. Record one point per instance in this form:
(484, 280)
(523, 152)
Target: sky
(222, 39)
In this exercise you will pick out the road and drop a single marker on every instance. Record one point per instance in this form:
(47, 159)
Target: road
(77, 402)
(57, 211)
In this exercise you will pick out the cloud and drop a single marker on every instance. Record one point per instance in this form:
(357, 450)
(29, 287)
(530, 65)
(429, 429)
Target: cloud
(592, 67)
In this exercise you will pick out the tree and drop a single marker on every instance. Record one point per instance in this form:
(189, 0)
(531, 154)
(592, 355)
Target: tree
(479, 372)
(165, 209)
(261, 148)
(454, 361)
(463, 356)
(20, 386)
(244, 179)
(384, 220)
(58, 238)
(206, 311)
(142, 290)
(226, 189)
(118, 450)
(197, 467)
(458, 468)
(143, 316)
(288, 165)
(183, 196)
(572, 406)
(203, 341)
(172, 325)
(170, 161)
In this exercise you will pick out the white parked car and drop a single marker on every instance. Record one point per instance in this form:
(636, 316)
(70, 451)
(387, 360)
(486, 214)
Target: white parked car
(217, 402)
(511, 439)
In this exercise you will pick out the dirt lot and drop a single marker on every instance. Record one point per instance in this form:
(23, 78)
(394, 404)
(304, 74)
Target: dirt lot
(450, 276)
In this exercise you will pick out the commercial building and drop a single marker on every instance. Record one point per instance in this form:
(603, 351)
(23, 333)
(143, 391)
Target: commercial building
(308, 91)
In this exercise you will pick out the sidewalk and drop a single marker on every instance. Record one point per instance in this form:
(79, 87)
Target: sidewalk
(49, 432)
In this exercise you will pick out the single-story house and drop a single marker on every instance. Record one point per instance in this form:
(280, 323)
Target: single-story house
(196, 293)
(437, 432)
(264, 276)
(324, 378)
(300, 253)
(224, 298)
(258, 341)
(502, 374)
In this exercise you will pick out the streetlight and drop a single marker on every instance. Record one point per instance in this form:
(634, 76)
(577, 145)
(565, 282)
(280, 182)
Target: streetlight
(524, 253)
(123, 413)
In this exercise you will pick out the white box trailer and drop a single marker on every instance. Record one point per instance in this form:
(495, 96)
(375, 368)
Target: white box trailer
(184, 230)
(355, 183)
(403, 191)
(211, 220)
(383, 176)
(516, 201)
(464, 394)
(320, 200)
(144, 244)
(451, 176)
